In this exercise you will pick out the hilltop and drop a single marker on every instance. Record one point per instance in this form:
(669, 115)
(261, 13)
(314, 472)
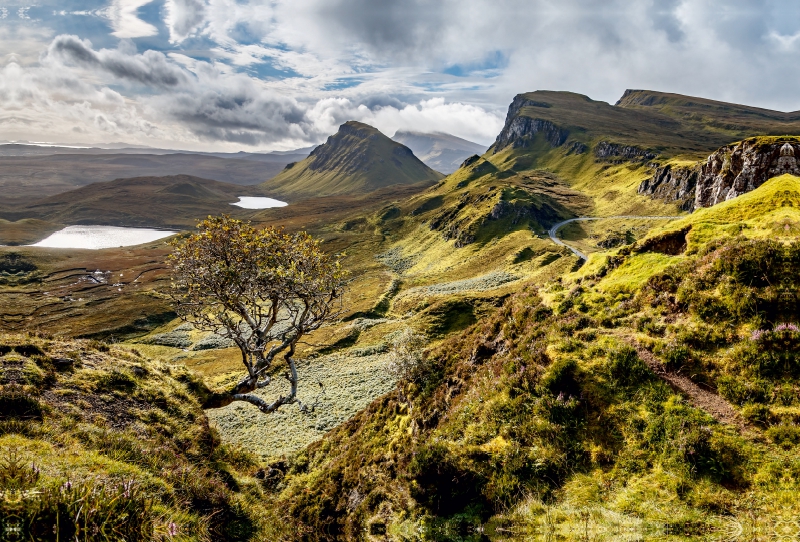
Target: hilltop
(442, 152)
(355, 160)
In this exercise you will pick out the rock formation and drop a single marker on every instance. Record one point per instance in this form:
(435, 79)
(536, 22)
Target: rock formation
(618, 153)
(742, 167)
(673, 184)
(727, 173)
(518, 129)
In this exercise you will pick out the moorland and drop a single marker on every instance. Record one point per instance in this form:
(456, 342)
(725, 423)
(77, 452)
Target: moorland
(643, 385)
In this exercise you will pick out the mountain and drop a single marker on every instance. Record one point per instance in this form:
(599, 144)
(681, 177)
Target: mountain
(642, 123)
(442, 152)
(176, 201)
(357, 159)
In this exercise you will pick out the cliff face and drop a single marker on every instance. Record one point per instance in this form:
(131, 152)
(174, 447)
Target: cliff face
(519, 129)
(619, 153)
(673, 184)
(740, 168)
(727, 173)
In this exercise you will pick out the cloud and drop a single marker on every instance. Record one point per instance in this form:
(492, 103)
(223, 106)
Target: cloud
(278, 73)
(151, 68)
(184, 18)
(125, 19)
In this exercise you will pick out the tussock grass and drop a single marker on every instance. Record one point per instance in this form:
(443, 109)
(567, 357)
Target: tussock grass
(117, 446)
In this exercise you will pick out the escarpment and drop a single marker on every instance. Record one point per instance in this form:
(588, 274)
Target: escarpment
(673, 184)
(727, 173)
(519, 129)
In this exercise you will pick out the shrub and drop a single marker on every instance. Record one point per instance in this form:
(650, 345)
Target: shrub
(561, 379)
(625, 368)
(784, 435)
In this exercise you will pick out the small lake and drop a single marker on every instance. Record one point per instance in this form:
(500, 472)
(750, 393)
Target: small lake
(97, 237)
(251, 202)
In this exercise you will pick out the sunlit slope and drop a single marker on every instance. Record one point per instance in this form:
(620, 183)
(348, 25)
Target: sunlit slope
(771, 211)
(115, 446)
(356, 160)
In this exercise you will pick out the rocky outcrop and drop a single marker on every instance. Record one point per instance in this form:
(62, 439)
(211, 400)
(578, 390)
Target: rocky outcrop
(742, 167)
(673, 185)
(471, 160)
(619, 153)
(729, 172)
(519, 130)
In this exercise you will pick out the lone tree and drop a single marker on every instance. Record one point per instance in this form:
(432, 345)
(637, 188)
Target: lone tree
(262, 289)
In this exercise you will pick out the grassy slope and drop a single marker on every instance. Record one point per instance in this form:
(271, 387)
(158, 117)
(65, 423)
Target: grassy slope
(102, 442)
(544, 411)
(356, 160)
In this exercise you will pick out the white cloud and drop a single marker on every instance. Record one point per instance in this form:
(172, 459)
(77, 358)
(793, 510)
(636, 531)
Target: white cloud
(184, 18)
(125, 20)
(277, 73)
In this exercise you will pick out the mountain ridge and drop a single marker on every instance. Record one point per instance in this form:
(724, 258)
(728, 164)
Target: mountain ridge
(440, 151)
(358, 158)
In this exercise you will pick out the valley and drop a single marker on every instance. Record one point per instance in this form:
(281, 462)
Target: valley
(600, 312)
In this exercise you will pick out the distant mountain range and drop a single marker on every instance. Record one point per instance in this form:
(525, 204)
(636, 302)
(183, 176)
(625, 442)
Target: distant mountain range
(440, 151)
(175, 201)
(357, 159)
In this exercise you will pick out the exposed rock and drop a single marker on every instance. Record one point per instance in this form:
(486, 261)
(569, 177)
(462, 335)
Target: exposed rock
(519, 130)
(729, 172)
(471, 160)
(673, 184)
(618, 153)
(739, 168)
(670, 243)
(576, 147)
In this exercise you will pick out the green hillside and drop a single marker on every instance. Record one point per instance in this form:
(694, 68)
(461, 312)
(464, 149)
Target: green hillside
(356, 160)
(101, 443)
(654, 394)
(648, 391)
(665, 124)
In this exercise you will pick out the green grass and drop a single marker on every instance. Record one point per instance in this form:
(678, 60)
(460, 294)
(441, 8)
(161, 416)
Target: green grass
(542, 417)
(110, 444)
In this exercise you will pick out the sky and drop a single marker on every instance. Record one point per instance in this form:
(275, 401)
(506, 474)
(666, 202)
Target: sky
(259, 75)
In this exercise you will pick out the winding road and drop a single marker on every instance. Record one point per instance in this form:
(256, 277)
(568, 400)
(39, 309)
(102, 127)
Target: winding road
(554, 230)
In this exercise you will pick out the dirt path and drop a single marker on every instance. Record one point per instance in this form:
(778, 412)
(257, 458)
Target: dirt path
(719, 408)
(554, 230)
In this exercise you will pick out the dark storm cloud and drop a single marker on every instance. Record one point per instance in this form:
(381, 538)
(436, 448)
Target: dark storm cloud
(388, 27)
(151, 68)
(666, 20)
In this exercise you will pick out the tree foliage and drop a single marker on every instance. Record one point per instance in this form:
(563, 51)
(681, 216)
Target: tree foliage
(264, 289)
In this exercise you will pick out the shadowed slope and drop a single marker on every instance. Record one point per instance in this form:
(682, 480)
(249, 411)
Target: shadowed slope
(174, 201)
(442, 152)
